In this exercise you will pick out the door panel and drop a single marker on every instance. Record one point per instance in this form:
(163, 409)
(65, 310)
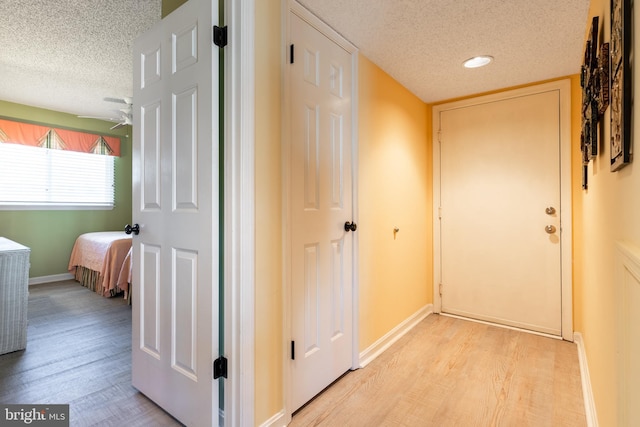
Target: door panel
(500, 170)
(321, 202)
(149, 297)
(175, 201)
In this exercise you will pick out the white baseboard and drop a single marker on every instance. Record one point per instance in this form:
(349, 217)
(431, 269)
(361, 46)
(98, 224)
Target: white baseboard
(375, 349)
(276, 421)
(587, 392)
(53, 278)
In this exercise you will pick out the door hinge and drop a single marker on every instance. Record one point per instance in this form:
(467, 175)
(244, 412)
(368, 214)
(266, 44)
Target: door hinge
(293, 350)
(291, 50)
(220, 367)
(220, 36)
(440, 289)
(439, 136)
(440, 212)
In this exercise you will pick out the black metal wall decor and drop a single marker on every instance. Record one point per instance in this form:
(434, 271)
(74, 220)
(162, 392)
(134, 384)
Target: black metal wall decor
(591, 89)
(602, 80)
(620, 83)
(589, 95)
(596, 94)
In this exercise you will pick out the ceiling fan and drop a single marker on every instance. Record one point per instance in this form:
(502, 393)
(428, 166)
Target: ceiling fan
(124, 113)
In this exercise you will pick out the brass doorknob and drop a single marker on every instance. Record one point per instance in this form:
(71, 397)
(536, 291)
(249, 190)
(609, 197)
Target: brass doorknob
(550, 229)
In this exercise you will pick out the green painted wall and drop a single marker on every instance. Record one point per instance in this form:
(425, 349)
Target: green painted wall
(51, 234)
(169, 6)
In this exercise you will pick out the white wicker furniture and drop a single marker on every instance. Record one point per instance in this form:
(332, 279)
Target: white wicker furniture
(14, 281)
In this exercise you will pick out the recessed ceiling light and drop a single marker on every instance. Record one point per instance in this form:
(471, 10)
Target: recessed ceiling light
(478, 61)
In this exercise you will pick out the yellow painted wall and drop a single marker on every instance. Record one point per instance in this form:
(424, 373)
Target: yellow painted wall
(268, 290)
(395, 190)
(169, 6)
(610, 212)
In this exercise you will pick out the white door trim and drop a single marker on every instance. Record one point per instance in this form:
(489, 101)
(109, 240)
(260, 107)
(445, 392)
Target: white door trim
(564, 87)
(239, 211)
(287, 7)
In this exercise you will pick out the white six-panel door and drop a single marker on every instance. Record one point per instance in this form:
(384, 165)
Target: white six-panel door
(175, 202)
(321, 203)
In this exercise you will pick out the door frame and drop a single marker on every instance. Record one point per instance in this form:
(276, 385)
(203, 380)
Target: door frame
(291, 6)
(239, 213)
(566, 240)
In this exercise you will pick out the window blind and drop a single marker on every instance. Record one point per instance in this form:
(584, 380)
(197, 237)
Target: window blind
(48, 178)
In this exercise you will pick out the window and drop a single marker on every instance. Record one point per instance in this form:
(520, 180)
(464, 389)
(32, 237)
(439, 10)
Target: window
(43, 178)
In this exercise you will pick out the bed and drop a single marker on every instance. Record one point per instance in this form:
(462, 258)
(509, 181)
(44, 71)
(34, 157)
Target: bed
(124, 278)
(97, 261)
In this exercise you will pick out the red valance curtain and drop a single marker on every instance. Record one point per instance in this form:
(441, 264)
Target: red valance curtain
(60, 139)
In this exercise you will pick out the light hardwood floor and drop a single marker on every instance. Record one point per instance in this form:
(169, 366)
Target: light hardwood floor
(452, 372)
(445, 372)
(78, 353)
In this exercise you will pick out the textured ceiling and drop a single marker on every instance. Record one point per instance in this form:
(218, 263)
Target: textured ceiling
(67, 55)
(422, 43)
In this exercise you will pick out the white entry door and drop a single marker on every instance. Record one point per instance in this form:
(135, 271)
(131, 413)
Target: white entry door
(175, 203)
(321, 204)
(500, 210)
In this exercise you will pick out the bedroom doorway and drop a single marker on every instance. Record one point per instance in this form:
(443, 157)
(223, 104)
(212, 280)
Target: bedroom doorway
(176, 205)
